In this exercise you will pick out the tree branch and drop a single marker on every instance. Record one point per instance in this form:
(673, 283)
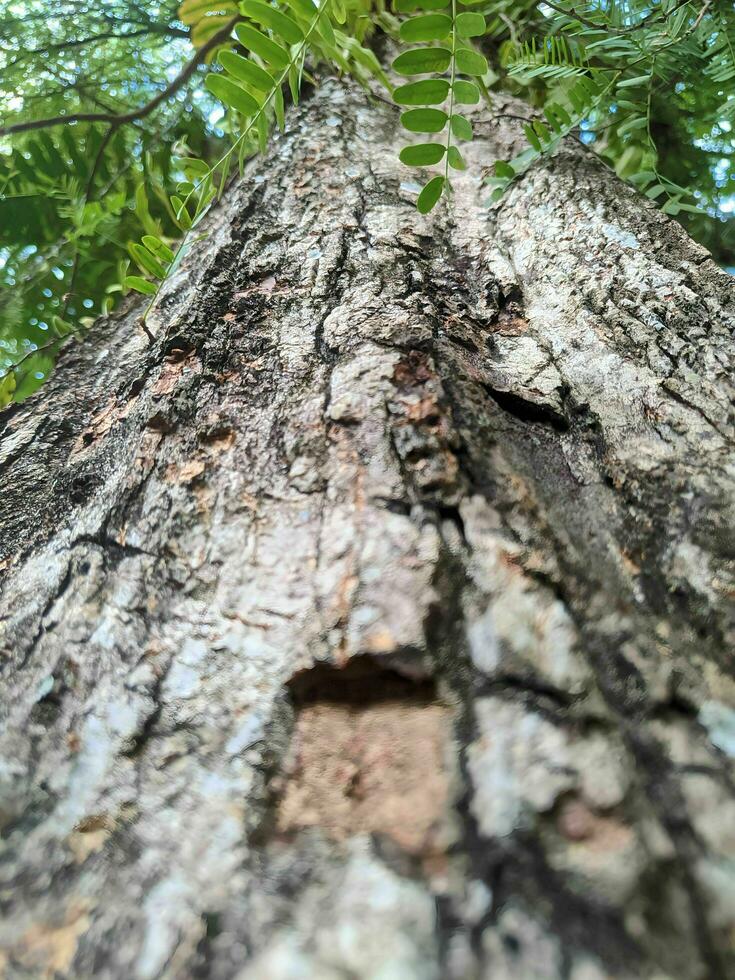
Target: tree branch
(574, 14)
(159, 29)
(127, 117)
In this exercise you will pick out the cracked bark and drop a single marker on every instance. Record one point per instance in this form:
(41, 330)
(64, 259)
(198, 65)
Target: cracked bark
(375, 621)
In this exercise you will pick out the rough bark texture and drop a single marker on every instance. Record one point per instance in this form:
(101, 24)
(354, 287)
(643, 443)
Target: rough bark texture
(376, 622)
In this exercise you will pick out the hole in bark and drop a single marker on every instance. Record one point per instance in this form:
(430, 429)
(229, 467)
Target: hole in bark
(511, 315)
(363, 680)
(510, 296)
(452, 514)
(82, 486)
(526, 411)
(417, 453)
(395, 506)
(217, 437)
(367, 756)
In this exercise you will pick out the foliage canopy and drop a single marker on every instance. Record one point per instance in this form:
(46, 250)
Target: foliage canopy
(122, 120)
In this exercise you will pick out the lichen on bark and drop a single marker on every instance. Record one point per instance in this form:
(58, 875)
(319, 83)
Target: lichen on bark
(465, 479)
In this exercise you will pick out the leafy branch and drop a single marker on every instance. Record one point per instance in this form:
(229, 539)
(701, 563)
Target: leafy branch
(120, 119)
(458, 59)
(249, 90)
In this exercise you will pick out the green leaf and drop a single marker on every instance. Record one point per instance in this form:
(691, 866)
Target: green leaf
(367, 59)
(421, 61)
(641, 122)
(466, 93)
(157, 247)
(261, 45)
(262, 127)
(279, 108)
(140, 285)
(551, 119)
(208, 26)
(294, 83)
(7, 387)
(205, 192)
(62, 328)
(429, 91)
(504, 170)
(182, 216)
(532, 137)
(422, 154)
(427, 27)
(470, 62)
(232, 94)
(643, 178)
(561, 113)
(304, 8)
(246, 70)
(455, 159)
(141, 209)
(632, 82)
(193, 165)
(430, 195)
(541, 131)
(280, 23)
(147, 262)
(406, 6)
(470, 25)
(192, 11)
(324, 26)
(461, 127)
(424, 120)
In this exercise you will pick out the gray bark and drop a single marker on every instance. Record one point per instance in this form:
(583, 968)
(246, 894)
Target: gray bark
(376, 621)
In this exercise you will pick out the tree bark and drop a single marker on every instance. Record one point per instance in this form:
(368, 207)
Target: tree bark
(376, 621)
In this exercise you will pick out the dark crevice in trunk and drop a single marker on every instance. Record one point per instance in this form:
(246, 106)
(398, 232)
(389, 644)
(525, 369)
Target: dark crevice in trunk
(363, 680)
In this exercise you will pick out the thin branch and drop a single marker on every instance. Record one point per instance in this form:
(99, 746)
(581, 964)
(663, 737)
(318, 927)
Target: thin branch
(127, 117)
(574, 14)
(701, 14)
(157, 29)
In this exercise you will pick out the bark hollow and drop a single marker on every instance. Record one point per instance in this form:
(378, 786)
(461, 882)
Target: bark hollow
(376, 621)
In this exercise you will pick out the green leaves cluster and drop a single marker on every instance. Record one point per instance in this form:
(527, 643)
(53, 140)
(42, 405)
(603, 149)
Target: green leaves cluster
(544, 134)
(628, 74)
(451, 57)
(154, 258)
(272, 45)
(68, 192)
(73, 197)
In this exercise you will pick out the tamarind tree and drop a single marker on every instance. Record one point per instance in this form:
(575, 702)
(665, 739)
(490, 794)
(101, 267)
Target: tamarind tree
(366, 546)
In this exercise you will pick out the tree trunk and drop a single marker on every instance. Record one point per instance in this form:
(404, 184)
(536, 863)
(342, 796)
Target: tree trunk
(375, 621)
